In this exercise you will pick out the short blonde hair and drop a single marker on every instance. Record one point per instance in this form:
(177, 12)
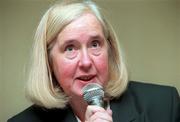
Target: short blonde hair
(42, 88)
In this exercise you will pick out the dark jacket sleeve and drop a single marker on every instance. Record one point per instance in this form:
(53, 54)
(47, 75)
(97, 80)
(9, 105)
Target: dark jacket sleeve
(38, 114)
(158, 103)
(175, 106)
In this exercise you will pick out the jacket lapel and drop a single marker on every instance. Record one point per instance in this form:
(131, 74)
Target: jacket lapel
(125, 110)
(70, 117)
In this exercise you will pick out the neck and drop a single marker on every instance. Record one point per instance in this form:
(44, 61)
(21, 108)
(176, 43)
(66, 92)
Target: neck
(78, 106)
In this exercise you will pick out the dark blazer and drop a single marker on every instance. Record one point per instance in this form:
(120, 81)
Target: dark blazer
(140, 103)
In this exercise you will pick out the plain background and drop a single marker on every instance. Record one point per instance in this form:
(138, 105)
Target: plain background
(148, 30)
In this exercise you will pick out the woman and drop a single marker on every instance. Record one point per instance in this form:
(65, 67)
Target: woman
(75, 46)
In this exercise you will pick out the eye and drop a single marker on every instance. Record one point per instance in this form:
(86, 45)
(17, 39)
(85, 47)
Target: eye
(69, 48)
(70, 51)
(95, 44)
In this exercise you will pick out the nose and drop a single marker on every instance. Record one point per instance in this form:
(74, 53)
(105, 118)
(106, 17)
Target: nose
(85, 62)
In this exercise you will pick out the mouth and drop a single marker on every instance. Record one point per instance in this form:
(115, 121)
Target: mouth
(85, 78)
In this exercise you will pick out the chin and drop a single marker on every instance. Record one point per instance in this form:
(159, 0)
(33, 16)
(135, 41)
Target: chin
(77, 93)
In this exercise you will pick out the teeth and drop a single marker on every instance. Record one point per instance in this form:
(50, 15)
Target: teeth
(85, 78)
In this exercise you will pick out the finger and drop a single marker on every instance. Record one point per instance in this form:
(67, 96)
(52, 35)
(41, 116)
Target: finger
(98, 114)
(109, 111)
(103, 116)
(91, 109)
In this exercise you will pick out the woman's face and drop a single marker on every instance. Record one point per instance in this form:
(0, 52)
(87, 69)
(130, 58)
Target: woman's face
(80, 55)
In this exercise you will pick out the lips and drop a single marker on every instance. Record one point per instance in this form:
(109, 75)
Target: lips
(85, 77)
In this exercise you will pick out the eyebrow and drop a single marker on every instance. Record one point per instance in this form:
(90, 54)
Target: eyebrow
(66, 42)
(70, 41)
(97, 37)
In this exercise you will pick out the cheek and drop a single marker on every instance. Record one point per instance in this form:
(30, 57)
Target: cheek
(102, 67)
(64, 72)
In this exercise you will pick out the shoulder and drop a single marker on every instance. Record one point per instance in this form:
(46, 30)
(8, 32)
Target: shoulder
(149, 102)
(148, 86)
(152, 90)
(38, 114)
(31, 112)
(156, 99)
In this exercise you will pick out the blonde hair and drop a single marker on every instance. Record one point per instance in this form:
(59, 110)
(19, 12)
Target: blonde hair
(42, 88)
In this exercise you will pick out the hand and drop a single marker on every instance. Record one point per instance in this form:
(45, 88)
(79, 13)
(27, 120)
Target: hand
(98, 114)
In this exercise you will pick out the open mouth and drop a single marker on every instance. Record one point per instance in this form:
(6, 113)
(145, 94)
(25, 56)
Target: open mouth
(86, 78)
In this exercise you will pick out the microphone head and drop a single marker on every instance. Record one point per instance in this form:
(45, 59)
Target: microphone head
(93, 94)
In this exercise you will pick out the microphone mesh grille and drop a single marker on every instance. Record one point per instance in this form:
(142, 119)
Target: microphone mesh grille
(92, 90)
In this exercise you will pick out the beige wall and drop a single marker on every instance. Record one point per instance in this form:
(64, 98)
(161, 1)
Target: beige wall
(149, 32)
(178, 39)
(19, 20)
(1, 63)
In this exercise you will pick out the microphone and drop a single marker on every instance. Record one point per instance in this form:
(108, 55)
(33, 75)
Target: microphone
(93, 94)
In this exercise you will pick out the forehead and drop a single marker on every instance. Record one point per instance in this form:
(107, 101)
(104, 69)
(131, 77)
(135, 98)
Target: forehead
(87, 19)
(87, 24)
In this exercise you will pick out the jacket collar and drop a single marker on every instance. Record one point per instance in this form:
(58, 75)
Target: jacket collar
(125, 109)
